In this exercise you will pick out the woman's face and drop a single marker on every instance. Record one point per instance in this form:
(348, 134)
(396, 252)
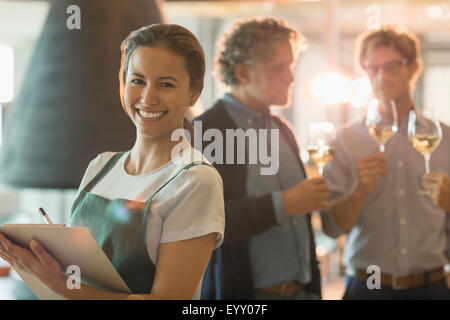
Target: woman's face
(157, 93)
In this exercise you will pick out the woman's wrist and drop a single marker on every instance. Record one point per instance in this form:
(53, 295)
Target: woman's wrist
(59, 285)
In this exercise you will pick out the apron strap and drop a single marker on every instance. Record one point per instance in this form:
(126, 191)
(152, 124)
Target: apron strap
(111, 162)
(190, 165)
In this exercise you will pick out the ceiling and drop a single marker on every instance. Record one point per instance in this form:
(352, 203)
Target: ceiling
(24, 18)
(352, 15)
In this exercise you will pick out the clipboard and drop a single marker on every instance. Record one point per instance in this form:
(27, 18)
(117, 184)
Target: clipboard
(69, 246)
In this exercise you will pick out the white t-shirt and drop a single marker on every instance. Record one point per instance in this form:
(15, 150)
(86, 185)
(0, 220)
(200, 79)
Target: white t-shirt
(190, 206)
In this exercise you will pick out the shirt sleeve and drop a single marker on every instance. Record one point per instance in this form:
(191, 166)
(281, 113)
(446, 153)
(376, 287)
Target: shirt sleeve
(277, 198)
(197, 207)
(93, 168)
(339, 180)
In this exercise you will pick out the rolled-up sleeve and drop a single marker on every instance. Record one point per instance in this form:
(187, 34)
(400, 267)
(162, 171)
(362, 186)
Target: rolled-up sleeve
(277, 198)
(338, 176)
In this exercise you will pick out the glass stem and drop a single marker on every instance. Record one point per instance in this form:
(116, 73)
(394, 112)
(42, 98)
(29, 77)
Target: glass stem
(382, 147)
(427, 163)
(321, 172)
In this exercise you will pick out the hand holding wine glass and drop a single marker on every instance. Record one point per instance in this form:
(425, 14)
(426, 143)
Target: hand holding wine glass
(438, 186)
(381, 121)
(320, 147)
(371, 171)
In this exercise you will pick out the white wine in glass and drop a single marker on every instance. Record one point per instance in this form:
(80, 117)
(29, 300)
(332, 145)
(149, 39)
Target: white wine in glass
(425, 144)
(424, 133)
(320, 147)
(320, 155)
(381, 121)
(380, 135)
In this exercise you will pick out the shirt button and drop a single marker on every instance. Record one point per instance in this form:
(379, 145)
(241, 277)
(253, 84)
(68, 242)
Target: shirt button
(403, 221)
(250, 121)
(401, 192)
(403, 251)
(400, 163)
(300, 254)
(294, 222)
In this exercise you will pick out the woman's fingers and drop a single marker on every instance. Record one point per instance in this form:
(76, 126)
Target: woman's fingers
(16, 256)
(7, 259)
(43, 256)
(7, 248)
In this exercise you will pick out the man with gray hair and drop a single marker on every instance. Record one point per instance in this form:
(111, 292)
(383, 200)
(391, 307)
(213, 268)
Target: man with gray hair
(268, 250)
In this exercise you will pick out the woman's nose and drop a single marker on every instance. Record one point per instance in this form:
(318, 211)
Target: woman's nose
(149, 96)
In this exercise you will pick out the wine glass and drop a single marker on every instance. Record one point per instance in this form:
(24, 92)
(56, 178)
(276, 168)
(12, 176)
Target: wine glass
(381, 121)
(320, 147)
(425, 134)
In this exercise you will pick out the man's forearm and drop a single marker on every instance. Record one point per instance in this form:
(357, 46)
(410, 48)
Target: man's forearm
(248, 216)
(346, 209)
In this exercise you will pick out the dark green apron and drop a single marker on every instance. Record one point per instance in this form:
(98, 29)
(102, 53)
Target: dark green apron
(120, 226)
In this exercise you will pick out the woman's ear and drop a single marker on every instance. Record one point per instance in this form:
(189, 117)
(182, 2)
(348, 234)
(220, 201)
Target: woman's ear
(194, 97)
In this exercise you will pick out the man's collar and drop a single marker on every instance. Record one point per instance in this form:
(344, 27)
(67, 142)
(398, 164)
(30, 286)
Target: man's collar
(247, 111)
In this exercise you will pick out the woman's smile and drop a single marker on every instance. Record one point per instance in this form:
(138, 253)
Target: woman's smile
(150, 116)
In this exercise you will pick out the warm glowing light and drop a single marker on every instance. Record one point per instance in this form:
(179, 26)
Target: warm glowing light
(434, 12)
(373, 103)
(332, 88)
(6, 74)
(321, 127)
(361, 90)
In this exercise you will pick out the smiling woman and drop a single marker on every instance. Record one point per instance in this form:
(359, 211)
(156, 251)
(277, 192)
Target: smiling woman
(156, 219)
(156, 91)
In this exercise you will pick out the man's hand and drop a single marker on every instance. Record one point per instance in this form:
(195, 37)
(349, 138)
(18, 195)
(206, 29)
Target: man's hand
(439, 186)
(371, 170)
(346, 210)
(306, 196)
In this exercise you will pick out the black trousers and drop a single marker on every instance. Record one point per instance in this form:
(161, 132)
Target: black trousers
(356, 289)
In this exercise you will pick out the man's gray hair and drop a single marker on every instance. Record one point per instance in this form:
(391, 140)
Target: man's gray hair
(250, 41)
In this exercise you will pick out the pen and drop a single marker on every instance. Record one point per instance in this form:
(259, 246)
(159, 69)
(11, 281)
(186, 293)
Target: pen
(45, 216)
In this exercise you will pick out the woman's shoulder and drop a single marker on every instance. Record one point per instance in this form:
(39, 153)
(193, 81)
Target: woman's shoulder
(203, 172)
(95, 166)
(198, 170)
(101, 159)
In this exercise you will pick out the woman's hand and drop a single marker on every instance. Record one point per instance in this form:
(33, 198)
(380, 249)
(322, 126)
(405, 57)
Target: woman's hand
(36, 261)
(174, 278)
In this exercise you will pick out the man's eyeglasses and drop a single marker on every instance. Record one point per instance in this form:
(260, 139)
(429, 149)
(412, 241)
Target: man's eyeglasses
(388, 67)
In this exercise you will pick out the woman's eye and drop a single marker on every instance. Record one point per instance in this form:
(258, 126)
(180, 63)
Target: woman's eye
(167, 85)
(137, 81)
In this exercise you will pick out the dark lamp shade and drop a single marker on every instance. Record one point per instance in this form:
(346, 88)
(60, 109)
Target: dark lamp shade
(68, 109)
